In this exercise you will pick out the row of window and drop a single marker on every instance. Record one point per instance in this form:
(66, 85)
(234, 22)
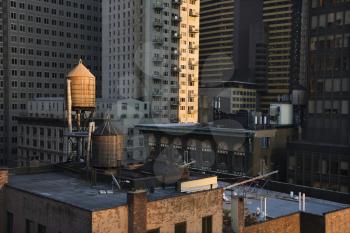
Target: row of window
(323, 3)
(69, 14)
(328, 106)
(22, 5)
(330, 19)
(322, 166)
(207, 226)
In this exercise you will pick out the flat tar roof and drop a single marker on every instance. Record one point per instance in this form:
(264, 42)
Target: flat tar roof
(281, 204)
(67, 189)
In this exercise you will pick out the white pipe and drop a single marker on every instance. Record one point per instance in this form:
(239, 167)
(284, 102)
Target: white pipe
(69, 106)
(88, 155)
(299, 199)
(265, 207)
(303, 201)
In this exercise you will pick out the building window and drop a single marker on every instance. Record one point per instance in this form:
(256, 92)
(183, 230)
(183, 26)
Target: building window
(207, 224)
(344, 168)
(180, 227)
(265, 143)
(41, 228)
(9, 223)
(30, 227)
(124, 106)
(154, 231)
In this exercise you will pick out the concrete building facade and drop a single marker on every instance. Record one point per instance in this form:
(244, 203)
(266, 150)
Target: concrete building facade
(232, 41)
(40, 40)
(282, 21)
(150, 52)
(320, 158)
(228, 97)
(216, 39)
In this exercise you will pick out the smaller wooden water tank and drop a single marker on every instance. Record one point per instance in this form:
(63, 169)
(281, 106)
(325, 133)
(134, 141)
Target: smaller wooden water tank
(107, 146)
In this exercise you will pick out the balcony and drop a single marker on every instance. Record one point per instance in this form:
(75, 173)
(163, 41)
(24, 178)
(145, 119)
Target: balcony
(174, 102)
(193, 46)
(158, 5)
(175, 52)
(176, 19)
(157, 59)
(175, 68)
(157, 23)
(158, 40)
(157, 77)
(193, 63)
(176, 35)
(193, 13)
(157, 92)
(193, 30)
(176, 2)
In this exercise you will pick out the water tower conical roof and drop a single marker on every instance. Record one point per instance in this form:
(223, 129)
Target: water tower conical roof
(80, 71)
(106, 129)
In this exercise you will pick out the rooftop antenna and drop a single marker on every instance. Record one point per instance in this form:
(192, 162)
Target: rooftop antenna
(115, 181)
(250, 180)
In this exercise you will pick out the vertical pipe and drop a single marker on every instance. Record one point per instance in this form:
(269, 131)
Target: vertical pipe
(88, 154)
(265, 208)
(299, 199)
(303, 201)
(69, 106)
(78, 119)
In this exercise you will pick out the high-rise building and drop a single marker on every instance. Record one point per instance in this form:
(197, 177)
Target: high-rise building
(232, 41)
(150, 52)
(40, 40)
(321, 158)
(232, 47)
(216, 39)
(282, 19)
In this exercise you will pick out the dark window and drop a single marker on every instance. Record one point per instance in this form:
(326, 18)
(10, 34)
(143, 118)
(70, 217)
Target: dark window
(207, 224)
(41, 228)
(154, 231)
(180, 227)
(264, 142)
(9, 224)
(30, 226)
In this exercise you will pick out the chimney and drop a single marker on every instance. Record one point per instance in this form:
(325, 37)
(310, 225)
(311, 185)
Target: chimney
(237, 214)
(137, 211)
(3, 178)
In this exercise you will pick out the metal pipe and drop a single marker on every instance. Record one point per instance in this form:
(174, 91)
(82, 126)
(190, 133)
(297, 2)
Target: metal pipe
(69, 106)
(265, 207)
(303, 201)
(88, 155)
(78, 119)
(299, 199)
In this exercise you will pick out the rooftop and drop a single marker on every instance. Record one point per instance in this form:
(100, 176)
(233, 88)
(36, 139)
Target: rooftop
(71, 189)
(281, 204)
(210, 129)
(193, 128)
